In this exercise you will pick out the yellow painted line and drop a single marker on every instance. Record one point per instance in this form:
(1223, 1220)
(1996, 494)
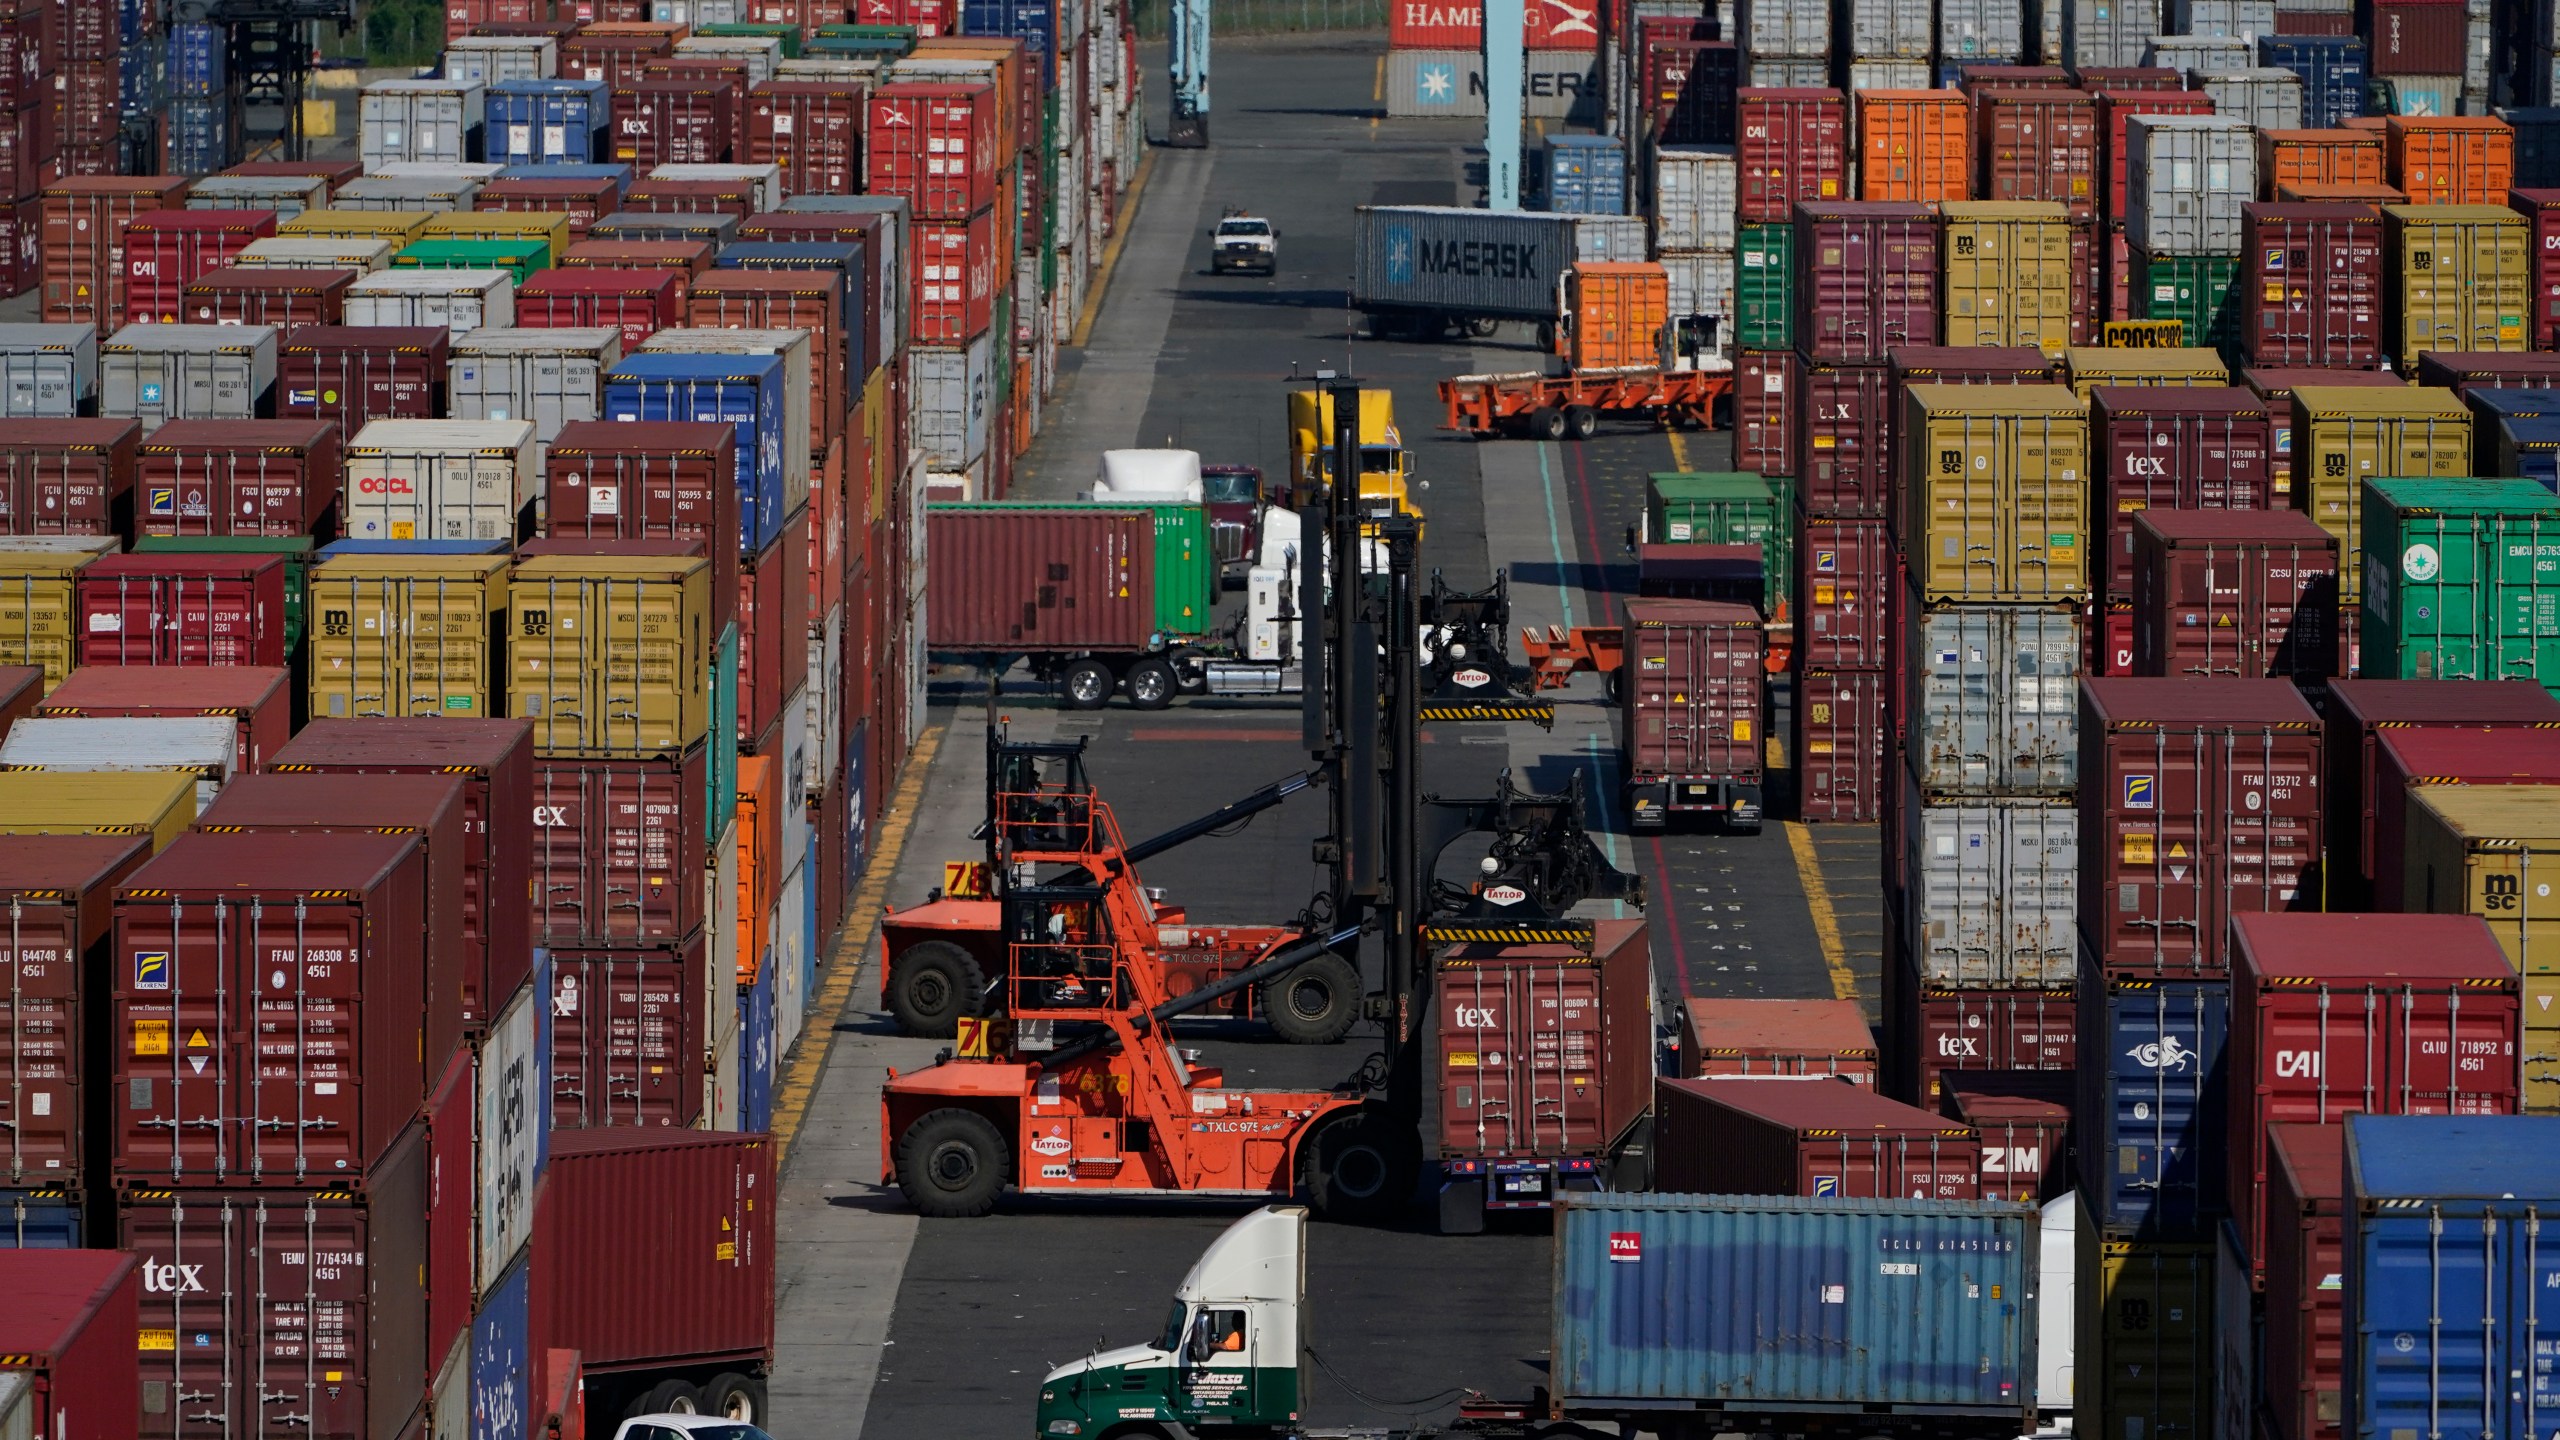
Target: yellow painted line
(1111, 251)
(1679, 451)
(1777, 754)
(1826, 921)
(1378, 87)
(853, 946)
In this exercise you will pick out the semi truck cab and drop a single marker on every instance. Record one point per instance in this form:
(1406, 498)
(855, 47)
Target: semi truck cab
(1386, 466)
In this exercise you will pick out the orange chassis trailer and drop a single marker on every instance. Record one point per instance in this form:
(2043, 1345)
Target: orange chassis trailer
(1559, 407)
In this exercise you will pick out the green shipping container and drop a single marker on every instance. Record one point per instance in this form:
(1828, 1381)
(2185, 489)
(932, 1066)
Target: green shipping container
(888, 42)
(1727, 508)
(2196, 291)
(1764, 290)
(521, 257)
(1186, 561)
(789, 35)
(2462, 581)
(296, 550)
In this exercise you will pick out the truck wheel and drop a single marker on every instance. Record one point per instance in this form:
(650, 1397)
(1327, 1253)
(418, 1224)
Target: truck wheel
(672, 1397)
(932, 985)
(1361, 1170)
(1087, 683)
(1546, 423)
(1314, 1003)
(1151, 684)
(734, 1397)
(1618, 687)
(1483, 326)
(952, 1164)
(1581, 421)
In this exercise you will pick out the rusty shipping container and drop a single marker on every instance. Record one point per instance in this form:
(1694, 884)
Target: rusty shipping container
(701, 1204)
(2235, 594)
(239, 477)
(617, 848)
(2359, 714)
(1866, 281)
(1729, 1136)
(2173, 447)
(59, 894)
(2024, 1120)
(1692, 729)
(1039, 579)
(67, 477)
(1806, 1039)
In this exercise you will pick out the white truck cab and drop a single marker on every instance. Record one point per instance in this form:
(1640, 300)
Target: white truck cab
(1244, 242)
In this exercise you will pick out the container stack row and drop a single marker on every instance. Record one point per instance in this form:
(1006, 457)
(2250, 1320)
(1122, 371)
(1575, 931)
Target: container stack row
(1435, 62)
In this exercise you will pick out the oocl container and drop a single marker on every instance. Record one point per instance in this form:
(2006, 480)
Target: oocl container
(2346, 436)
(439, 480)
(2361, 713)
(1992, 698)
(1996, 498)
(2455, 573)
(1914, 146)
(2313, 288)
(2153, 1111)
(1808, 1039)
(207, 609)
(1866, 281)
(2024, 1120)
(1734, 1136)
(2186, 448)
(2006, 273)
(256, 699)
(457, 300)
(59, 891)
(2235, 594)
(1693, 731)
(67, 477)
(159, 373)
(358, 374)
(419, 631)
(238, 477)
(1990, 887)
(2463, 279)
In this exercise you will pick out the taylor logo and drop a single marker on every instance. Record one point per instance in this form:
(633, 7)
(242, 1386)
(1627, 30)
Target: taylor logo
(1050, 1145)
(1505, 894)
(1471, 678)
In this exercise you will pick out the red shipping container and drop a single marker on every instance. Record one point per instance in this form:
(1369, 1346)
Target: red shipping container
(691, 197)
(640, 302)
(1840, 461)
(164, 250)
(354, 374)
(20, 687)
(297, 968)
(1940, 1032)
(1808, 1039)
(2311, 288)
(1845, 570)
(2541, 210)
(2301, 1371)
(1764, 411)
(583, 201)
(2204, 448)
(615, 57)
(1733, 1136)
(2235, 594)
(1841, 721)
(494, 759)
(937, 145)
(1692, 709)
(2115, 107)
(85, 32)
(630, 1035)
(259, 697)
(70, 1328)
(91, 90)
(1440, 25)
(2100, 79)
(647, 480)
(813, 129)
(2117, 303)
(2037, 145)
(21, 242)
(617, 849)
(955, 265)
(238, 477)
(2024, 1119)
(773, 632)
(279, 1283)
(612, 1193)
(452, 1114)
(1794, 145)
(667, 122)
(235, 295)
(828, 496)
(705, 70)
(811, 300)
(59, 893)
(2464, 371)
(925, 17)
(83, 249)
(1866, 280)
(2407, 757)
(31, 142)
(1980, 80)
(181, 609)
(2199, 801)
(67, 477)
(336, 172)
(2360, 714)
(2416, 37)
(684, 259)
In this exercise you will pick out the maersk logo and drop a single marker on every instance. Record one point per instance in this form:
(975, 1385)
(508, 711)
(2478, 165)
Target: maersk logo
(1500, 259)
(1399, 254)
(1435, 84)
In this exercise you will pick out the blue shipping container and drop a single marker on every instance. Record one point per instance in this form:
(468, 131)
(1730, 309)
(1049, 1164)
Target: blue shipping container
(857, 814)
(1586, 175)
(2537, 146)
(2492, 407)
(745, 391)
(2151, 1119)
(545, 122)
(39, 1220)
(847, 260)
(1035, 21)
(2450, 1322)
(1764, 1304)
(2529, 448)
(2332, 70)
(502, 1359)
(198, 138)
(900, 213)
(755, 1049)
(196, 60)
(142, 79)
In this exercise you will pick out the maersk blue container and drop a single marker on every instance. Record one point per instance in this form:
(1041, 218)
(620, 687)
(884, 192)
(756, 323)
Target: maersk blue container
(2333, 74)
(845, 259)
(1586, 175)
(2151, 1124)
(1033, 21)
(196, 56)
(755, 1049)
(39, 1220)
(198, 137)
(502, 1359)
(546, 122)
(2537, 146)
(142, 78)
(743, 390)
(2451, 1273)
(1757, 1304)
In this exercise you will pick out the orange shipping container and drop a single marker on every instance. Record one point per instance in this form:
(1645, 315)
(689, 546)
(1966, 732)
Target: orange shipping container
(759, 858)
(1913, 145)
(2376, 193)
(2452, 160)
(2319, 157)
(1618, 311)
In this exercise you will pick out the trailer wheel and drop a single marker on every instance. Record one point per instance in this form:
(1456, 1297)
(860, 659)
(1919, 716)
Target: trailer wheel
(952, 1164)
(1151, 684)
(1581, 421)
(1360, 1171)
(1546, 423)
(672, 1397)
(932, 985)
(1088, 684)
(1314, 1003)
(1483, 326)
(734, 1397)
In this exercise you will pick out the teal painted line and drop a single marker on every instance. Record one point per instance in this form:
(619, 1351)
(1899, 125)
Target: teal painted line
(1555, 537)
(1612, 843)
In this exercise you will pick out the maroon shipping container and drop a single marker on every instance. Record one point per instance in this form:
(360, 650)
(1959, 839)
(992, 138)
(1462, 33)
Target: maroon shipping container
(1734, 1136)
(1805, 1039)
(21, 242)
(1764, 411)
(615, 59)
(59, 894)
(282, 1282)
(336, 172)
(1940, 1032)
(773, 631)
(494, 758)
(2310, 292)
(2207, 448)
(2115, 106)
(2541, 211)
(1841, 721)
(937, 145)
(83, 250)
(684, 259)
(2235, 594)
(1980, 80)
(2316, 22)
(181, 609)
(1793, 145)
(451, 1116)
(239, 477)
(165, 250)
(2024, 1119)
(2101, 79)
(259, 697)
(2469, 755)
(248, 295)
(2360, 713)
(2464, 371)
(2301, 1371)
(617, 849)
(2037, 145)
(955, 266)
(2338, 1015)
(262, 975)
(583, 201)
(1840, 461)
(640, 302)
(1866, 280)
(355, 374)
(630, 1035)
(1845, 578)
(1039, 579)
(2116, 285)
(2199, 801)
(704, 70)
(813, 130)
(1692, 731)
(691, 197)
(673, 122)
(428, 807)
(21, 686)
(67, 477)
(613, 1194)
(69, 1327)
(647, 480)
(2417, 37)
(811, 300)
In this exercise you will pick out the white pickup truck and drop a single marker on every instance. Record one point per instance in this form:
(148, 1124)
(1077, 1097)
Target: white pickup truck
(1245, 243)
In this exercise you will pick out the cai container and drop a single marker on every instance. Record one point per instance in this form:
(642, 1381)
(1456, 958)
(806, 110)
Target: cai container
(1793, 146)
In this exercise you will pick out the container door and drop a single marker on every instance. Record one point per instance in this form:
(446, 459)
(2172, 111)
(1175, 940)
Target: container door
(174, 995)
(1567, 1114)
(1481, 1087)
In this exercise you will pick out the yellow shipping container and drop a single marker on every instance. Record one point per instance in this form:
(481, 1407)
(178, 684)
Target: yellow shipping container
(2090, 366)
(551, 227)
(2459, 277)
(157, 803)
(1998, 496)
(36, 575)
(2344, 435)
(2142, 1338)
(2007, 273)
(611, 653)
(2494, 851)
(398, 226)
(407, 635)
(876, 432)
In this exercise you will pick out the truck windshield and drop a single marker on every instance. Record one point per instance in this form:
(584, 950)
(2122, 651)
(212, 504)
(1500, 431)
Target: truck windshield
(1247, 228)
(1171, 1340)
(724, 1432)
(1227, 489)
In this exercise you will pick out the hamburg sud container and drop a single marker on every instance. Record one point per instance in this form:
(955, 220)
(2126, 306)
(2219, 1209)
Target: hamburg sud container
(2312, 288)
(181, 610)
(159, 373)
(67, 477)
(2299, 1363)
(69, 1339)
(1809, 1039)
(2457, 573)
(60, 895)
(1732, 1136)
(1866, 281)
(1547, 1059)
(611, 653)
(1692, 731)
(1995, 502)
(2345, 436)
(2362, 714)
(1944, 1326)
(257, 699)
(238, 477)
(2024, 1120)
(2200, 800)
(2335, 1015)
(439, 480)
(2235, 594)
(2463, 279)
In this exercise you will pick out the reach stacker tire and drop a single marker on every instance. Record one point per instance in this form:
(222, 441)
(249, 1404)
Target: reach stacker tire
(952, 1164)
(932, 986)
(1361, 1170)
(1314, 1003)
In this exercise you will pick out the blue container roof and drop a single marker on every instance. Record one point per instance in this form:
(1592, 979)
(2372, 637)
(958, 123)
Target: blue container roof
(1583, 142)
(824, 251)
(2534, 400)
(546, 87)
(665, 365)
(2453, 1157)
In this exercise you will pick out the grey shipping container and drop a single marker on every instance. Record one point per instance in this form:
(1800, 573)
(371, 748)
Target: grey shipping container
(2239, 19)
(1449, 85)
(459, 300)
(1697, 191)
(1889, 29)
(2106, 32)
(1994, 703)
(2186, 177)
(1751, 1310)
(1471, 262)
(158, 373)
(480, 59)
(287, 195)
(207, 747)
(1994, 889)
(1616, 238)
(549, 377)
(1008, 578)
(417, 120)
(47, 372)
(2261, 95)
(1785, 73)
(1785, 30)
(1865, 75)
(382, 192)
(1987, 32)
(2188, 53)
(953, 388)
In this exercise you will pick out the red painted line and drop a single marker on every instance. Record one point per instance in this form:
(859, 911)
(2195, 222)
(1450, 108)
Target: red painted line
(1211, 732)
(1661, 888)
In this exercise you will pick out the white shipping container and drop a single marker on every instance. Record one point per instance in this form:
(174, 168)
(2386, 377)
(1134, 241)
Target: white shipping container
(829, 68)
(450, 172)
(767, 179)
(512, 1084)
(206, 747)
(158, 373)
(951, 390)
(720, 907)
(1617, 238)
(458, 300)
(550, 377)
(1888, 75)
(1701, 283)
(298, 252)
(439, 480)
(1984, 32)
(720, 1087)
(799, 386)
(1786, 29)
(791, 940)
(2238, 19)
(47, 372)
(1890, 29)
(826, 681)
(1696, 191)
(484, 59)
(701, 12)
(1784, 73)
(1993, 698)
(2049, 32)
(2186, 177)
(390, 193)
(761, 54)
(2105, 32)
(416, 120)
(2261, 95)
(287, 195)
(2188, 54)
(1994, 887)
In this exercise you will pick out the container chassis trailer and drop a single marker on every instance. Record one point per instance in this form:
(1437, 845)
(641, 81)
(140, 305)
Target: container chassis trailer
(1534, 406)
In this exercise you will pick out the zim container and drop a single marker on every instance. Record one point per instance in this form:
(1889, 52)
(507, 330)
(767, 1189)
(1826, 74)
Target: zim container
(1820, 1138)
(2461, 577)
(1807, 1039)
(2234, 594)
(2024, 1120)
(2361, 715)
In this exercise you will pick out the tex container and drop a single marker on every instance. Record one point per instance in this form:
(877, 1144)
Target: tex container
(182, 609)
(645, 479)
(358, 374)
(458, 300)
(2153, 1108)
(1866, 280)
(1943, 1327)
(2024, 1120)
(67, 477)
(2311, 288)
(1936, 1031)
(2172, 447)
(2199, 800)
(1041, 578)
(1694, 698)
(746, 392)
(419, 120)
(159, 373)
(1544, 1052)
(2361, 714)
(616, 860)
(237, 477)
(1996, 494)
(611, 653)
(2347, 436)
(702, 1205)
(1433, 256)
(1810, 1039)
(1734, 1136)
(59, 891)
(439, 480)
(2461, 579)
(2234, 594)
(1992, 698)
(1989, 887)
(2462, 279)
(534, 121)
(69, 1338)
(411, 628)
(254, 698)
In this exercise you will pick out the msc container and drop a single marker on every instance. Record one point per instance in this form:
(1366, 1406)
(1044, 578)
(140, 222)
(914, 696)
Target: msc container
(67, 477)
(157, 806)
(2091, 366)
(1866, 281)
(1996, 496)
(2153, 1112)
(550, 377)
(1944, 1332)
(2024, 1120)
(1989, 890)
(2234, 594)
(69, 1335)
(1992, 698)
(534, 121)
(439, 480)
(238, 477)
(458, 300)
(2473, 849)
(358, 374)
(1047, 578)
(1805, 1039)
(2299, 1364)
(748, 391)
(204, 747)
(2185, 448)
(1692, 725)
(2313, 281)
(2463, 279)
(204, 609)
(2007, 274)
(2460, 580)
(1731, 1136)
(1914, 146)
(418, 631)
(2345, 436)
(60, 895)
(159, 373)
(254, 698)
(2415, 764)
(611, 653)
(434, 120)
(2361, 713)
(2186, 179)
(48, 372)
